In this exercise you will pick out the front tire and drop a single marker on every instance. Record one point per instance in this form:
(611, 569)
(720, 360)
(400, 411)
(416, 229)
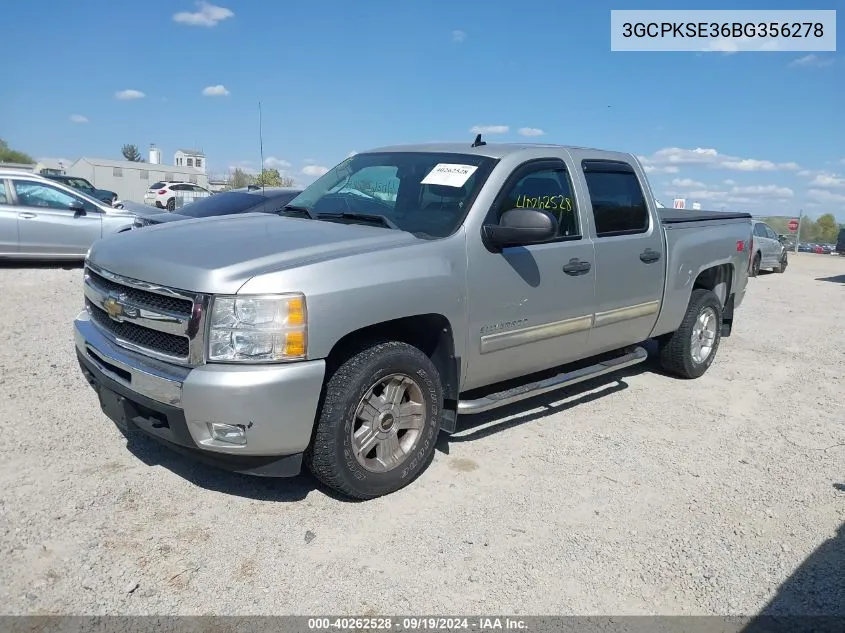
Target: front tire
(379, 421)
(781, 268)
(689, 351)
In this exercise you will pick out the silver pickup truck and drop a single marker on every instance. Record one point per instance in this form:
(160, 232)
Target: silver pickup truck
(405, 287)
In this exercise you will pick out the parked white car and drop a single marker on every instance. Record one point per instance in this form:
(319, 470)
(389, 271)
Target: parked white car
(169, 194)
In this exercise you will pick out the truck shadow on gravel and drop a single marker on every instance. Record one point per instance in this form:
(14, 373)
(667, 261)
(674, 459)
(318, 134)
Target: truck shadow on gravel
(478, 426)
(214, 479)
(813, 597)
(469, 428)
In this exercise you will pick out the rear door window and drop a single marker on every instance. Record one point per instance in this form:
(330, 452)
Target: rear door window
(619, 206)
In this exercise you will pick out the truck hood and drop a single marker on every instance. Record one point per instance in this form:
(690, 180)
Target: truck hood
(220, 254)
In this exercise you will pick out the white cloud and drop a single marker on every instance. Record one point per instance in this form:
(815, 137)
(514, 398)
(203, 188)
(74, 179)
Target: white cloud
(709, 157)
(271, 162)
(127, 95)
(489, 129)
(729, 182)
(314, 170)
(722, 45)
(649, 168)
(215, 91)
(729, 46)
(244, 165)
(530, 131)
(208, 15)
(458, 36)
(823, 196)
(78, 118)
(764, 191)
(826, 179)
(810, 61)
(751, 164)
(686, 182)
(735, 195)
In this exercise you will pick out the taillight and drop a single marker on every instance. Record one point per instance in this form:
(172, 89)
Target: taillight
(740, 246)
(161, 192)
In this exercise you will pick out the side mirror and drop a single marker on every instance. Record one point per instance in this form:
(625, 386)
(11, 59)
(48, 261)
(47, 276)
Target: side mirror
(521, 227)
(77, 207)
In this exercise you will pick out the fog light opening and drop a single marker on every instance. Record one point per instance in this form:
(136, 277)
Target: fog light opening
(229, 433)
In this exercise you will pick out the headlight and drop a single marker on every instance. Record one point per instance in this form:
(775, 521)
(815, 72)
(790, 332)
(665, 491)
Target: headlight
(260, 328)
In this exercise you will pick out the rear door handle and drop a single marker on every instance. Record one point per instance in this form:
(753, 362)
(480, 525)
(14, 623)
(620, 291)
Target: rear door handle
(576, 267)
(649, 256)
(27, 216)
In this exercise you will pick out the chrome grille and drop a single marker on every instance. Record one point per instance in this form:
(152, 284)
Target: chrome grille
(145, 299)
(158, 321)
(176, 346)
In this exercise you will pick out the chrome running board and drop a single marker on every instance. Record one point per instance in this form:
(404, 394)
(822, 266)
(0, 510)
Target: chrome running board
(495, 400)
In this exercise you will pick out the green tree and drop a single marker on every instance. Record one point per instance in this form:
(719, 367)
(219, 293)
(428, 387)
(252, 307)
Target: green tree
(8, 155)
(828, 228)
(272, 178)
(130, 152)
(240, 179)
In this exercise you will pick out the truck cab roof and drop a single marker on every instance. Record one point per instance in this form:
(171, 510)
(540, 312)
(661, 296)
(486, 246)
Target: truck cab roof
(503, 150)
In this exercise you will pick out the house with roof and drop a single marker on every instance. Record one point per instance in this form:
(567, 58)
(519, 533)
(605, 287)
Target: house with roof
(131, 180)
(189, 158)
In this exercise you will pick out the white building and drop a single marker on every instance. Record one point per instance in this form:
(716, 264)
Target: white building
(192, 158)
(52, 166)
(130, 180)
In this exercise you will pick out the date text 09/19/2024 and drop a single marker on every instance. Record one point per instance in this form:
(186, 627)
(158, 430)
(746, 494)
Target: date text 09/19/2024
(416, 624)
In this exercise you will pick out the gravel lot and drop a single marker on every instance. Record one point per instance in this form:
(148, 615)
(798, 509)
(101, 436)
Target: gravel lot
(648, 495)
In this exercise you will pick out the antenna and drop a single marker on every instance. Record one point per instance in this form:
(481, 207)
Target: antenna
(478, 142)
(261, 146)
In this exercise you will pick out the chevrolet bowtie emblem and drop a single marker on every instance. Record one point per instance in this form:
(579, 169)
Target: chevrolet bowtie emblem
(113, 307)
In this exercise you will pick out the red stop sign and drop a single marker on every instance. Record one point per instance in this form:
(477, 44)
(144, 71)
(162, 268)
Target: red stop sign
(793, 225)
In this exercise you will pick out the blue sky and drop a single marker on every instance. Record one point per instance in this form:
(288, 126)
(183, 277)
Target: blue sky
(758, 131)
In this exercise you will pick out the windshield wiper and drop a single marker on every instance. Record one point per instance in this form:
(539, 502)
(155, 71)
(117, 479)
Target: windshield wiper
(304, 210)
(352, 215)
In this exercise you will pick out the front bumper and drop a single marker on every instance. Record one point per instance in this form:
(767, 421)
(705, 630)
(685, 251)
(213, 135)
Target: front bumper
(275, 405)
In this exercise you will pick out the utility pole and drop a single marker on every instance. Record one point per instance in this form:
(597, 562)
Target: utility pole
(798, 232)
(261, 146)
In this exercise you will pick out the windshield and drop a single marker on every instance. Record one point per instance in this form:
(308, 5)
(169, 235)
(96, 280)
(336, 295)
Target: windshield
(425, 193)
(222, 204)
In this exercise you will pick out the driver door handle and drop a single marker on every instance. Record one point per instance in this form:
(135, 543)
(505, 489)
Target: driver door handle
(649, 256)
(26, 215)
(576, 267)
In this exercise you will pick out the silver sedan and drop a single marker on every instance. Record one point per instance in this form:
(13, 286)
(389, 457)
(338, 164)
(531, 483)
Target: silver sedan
(45, 220)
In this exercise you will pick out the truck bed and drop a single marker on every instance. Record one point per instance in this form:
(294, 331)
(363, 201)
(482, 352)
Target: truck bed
(681, 216)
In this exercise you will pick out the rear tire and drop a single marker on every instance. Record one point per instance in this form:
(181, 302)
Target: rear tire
(755, 265)
(171, 204)
(689, 351)
(369, 440)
